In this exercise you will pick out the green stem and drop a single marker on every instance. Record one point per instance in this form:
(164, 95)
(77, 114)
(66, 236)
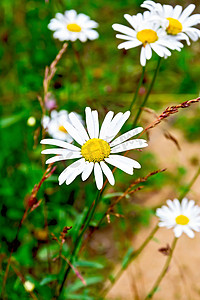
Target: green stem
(164, 270)
(138, 88)
(148, 92)
(184, 193)
(131, 258)
(78, 241)
(78, 58)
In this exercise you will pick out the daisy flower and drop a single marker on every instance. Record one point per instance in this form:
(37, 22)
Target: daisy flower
(54, 125)
(146, 32)
(72, 26)
(97, 147)
(182, 217)
(179, 22)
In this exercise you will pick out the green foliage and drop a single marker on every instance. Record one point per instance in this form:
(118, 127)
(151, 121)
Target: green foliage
(108, 81)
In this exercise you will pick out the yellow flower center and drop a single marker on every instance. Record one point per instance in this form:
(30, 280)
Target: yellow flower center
(174, 27)
(95, 150)
(74, 27)
(147, 36)
(182, 220)
(62, 128)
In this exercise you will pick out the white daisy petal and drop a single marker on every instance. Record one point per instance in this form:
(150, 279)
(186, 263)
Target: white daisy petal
(168, 9)
(69, 155)
(125, 37)
(55, 159)
(177, 11)
(189, 232)
(148, 52)
(92, 34)
(63, 152)
(55, 127)
(78, 125)
(89, 122)
(129, 44)
(158, 49)
(98, 176)
(124, 29)
(142, 57)
(187, 11)
(132, 144)
(87, 171)
(70, 14)
(178, 230)
(131, 20)
(108, 173)
(126, 136)
(96, 123)
(74, 133)
(71, 169)
(70, 178)
(105, 125)
(59, 143)
(109, 133)
(191, 21)
(120, 165)
(55, 25)
(116, 128)
(126, 160)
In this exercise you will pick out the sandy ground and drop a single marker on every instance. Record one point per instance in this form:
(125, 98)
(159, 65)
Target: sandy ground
(182, 279)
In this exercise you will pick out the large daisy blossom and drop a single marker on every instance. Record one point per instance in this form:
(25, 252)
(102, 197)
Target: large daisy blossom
(179, 22)
(54, 125)
(146, 32)
(71, 26)
(182, 217)
(97, 147)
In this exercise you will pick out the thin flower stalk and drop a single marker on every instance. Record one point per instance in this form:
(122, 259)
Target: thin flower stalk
(184, 193)
(78, 58)
(48, 75)
(50, 71)
(169, 111)
(164, 271)
(78, 242)
(138, 88)
(132, 256)
(148, 92)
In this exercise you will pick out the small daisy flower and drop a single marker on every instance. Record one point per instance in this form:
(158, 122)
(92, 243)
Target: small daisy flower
(179, 22)
(146, 32)
(54, 125)
(182, 217)
(97, 147)
(72, 26)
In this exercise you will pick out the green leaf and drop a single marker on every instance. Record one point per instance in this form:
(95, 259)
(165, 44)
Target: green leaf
(90, 264)
(127, 257)
(89, 281)
(48, 278)
(8, 121)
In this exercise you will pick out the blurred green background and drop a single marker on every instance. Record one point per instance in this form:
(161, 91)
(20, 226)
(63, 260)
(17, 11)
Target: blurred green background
(109, 78)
